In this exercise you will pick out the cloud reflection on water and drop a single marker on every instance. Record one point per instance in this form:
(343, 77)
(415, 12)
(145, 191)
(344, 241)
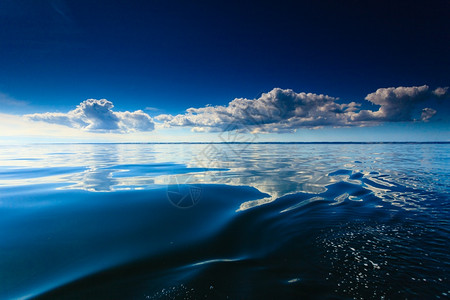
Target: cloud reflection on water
(277, 170)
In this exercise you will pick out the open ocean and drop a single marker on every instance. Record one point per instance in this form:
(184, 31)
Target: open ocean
(225, 221)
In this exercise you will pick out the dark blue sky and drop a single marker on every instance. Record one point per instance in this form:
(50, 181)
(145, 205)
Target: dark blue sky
(177, 54)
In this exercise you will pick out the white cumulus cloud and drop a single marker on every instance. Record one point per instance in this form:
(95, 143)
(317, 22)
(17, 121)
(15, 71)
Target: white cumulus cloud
(283, 110)
(280, 110)
(98, 115)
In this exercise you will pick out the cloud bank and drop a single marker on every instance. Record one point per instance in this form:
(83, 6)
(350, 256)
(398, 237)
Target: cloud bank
(283, 110)
(278, 111)
(98, 116)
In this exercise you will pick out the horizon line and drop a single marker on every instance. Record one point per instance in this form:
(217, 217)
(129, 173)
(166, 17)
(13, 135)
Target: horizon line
(225, 143)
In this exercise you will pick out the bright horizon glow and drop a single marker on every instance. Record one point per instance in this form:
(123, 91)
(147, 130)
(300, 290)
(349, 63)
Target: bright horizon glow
(16, 130)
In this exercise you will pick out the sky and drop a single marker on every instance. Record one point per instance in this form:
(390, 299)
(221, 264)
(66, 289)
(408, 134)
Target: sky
(167, 71)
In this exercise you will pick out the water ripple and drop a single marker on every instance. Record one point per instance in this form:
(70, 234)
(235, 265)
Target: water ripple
(288, 221)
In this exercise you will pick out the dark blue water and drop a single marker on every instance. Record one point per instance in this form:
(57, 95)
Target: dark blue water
(225, 221)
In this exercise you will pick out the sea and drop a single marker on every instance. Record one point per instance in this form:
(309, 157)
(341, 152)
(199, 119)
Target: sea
(225, 221)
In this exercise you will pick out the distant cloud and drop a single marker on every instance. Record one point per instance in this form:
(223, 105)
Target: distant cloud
(276, 111)
(279, 111)
(8, 101)
(283, 110)
(149, 108)
(427, 113)
(98, 115)
(441, 91)
(397, 104)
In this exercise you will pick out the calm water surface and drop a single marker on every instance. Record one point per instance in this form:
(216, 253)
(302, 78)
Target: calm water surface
(225, 221)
